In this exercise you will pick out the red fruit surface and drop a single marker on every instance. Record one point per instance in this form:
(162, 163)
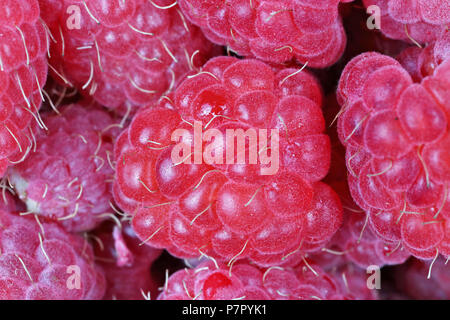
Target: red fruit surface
(228, 210)
(247, 282)
(23, 72)
(67, 178)
(273, 31)
(125, 263)
(122, 53)
(396, 135)
(40, 261)
(415, 21)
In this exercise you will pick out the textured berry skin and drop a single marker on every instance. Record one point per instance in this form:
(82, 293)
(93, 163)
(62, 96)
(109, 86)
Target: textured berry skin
(356, 241)
(396, 135)
(225, 210)
(125, 263)
(124, 53)
(415, 21)
(68, 177)
(244, 281)
(412, 279)
(273, 31)
(41, 261)
(23, 71)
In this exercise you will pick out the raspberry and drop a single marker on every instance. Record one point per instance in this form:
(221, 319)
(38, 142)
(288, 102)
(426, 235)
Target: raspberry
(231, 211)
(40, 261)
(126, 264)
(244, 281)
(67, 178)
(411, 279)
(415, 21)
(397, 140)
(123, 53)
(357, 240)
(8, 203)
(273, 31)
(23, 71)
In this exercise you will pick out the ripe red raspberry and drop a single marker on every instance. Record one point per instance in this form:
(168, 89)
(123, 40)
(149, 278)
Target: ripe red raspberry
(397, 141)
(68, 176)
(423, 281)
(209, 281)
(40, 261)
(125, 263)
(23, 71)
(356, 241)
(416, 21)
(273, 31)
(231, 211)
(122, 52)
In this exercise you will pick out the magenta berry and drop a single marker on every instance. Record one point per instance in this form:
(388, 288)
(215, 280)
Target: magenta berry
(125, 54)
(68, 178)
(244, 281)
(125, 263)
(273, 31)
(23, 72)
(230, 209)
(40, 261)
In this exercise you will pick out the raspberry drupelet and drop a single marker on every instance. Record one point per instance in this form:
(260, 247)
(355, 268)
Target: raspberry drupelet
(273, 31)
(394, 124)
(68, 176)
(41, 261)
(122, 53)
(23, 72)
(225, 209)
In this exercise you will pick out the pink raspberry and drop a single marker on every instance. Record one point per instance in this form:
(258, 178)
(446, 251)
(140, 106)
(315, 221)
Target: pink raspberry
(415, 21)
(209, 281)
(67, 178)
(273, 31)
(123, 53)
(356, 241)
(125, 263)
(23, 71)
(231, 211)
(424, 281)
(41, 261)
(397, 141)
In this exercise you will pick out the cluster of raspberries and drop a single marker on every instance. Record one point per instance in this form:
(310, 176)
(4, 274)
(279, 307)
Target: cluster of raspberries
(237, 149)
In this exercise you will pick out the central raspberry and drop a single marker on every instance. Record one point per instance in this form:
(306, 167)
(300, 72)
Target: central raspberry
(230, 209)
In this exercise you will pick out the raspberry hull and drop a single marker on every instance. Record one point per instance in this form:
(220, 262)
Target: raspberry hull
(68, 177)
(231, 211)
(40, 261)
(397, 141)
(273, 31)
(23, 71)
(125, 54)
